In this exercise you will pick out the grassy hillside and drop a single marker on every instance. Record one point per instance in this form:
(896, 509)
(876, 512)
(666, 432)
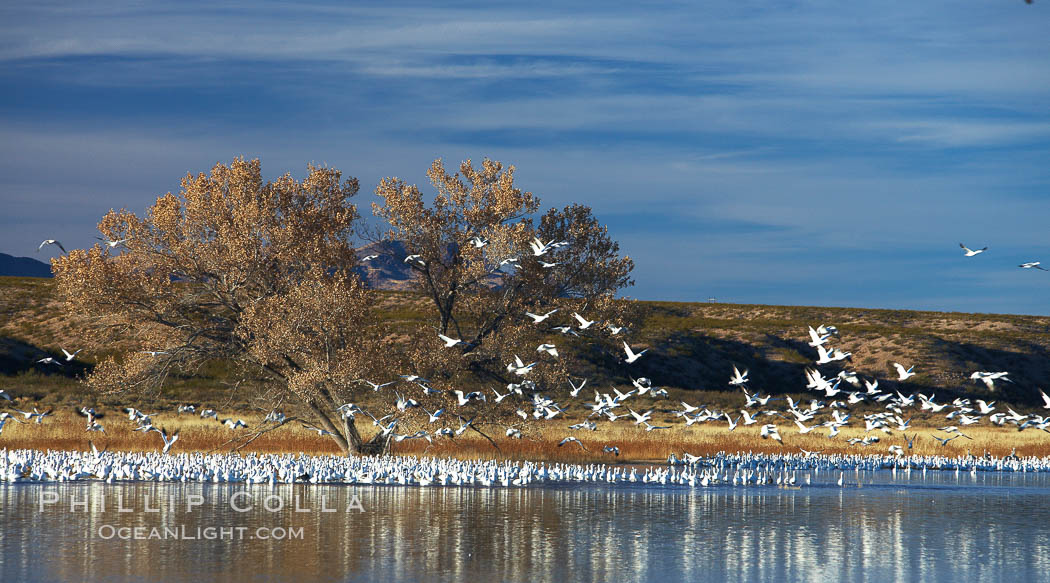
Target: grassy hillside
(693, 347)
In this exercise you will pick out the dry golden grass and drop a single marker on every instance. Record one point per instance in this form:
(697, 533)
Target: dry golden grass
(65, 430)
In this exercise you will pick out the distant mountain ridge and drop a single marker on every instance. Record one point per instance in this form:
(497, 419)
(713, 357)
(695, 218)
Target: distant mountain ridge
(387, 271)
(11, 266)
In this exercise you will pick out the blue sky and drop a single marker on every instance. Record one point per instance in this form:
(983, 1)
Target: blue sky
(817, 153)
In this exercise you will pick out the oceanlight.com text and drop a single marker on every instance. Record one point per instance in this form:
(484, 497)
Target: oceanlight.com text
(182, 532)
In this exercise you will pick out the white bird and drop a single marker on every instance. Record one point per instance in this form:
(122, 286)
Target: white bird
(902, 373)
(417, 259)
(233, 424)
(70, 356)
(185, 409)
(970, 252)
(449, 342)
(548, 348)
(611, 449)
(536, 319)
(614, 330)
(539, 248)
(509, 261)
(472, 396)
(654, 427)
(827, 329)
(369, 257)
(375, 386)
(747, 417)
(478, 242)
(320, 432)
(738, 378)
(414, 379)
(802, 429)
(1032, 265)
(404, 404)
(986, 408)
(823, 356)
(571, 439)
(209, 413)
(567, 330)
(584, 322)
(152, 352)
(274, 416)
(168, 441)
(989, 378)
(1046, 399)
(576, 389)
(433, 417)
(499, 397)
(631, 355)
(111, 244)
(513, 433)
(49, 360)
(770, 431)
(520, 368)
(5, 417)
(640, 418)
(4, 395)
(817, 339)
(50, 242)
(35, 413)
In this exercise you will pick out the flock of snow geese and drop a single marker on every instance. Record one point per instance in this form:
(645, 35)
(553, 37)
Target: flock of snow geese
(829, 411)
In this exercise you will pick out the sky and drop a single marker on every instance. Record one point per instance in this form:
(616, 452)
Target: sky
(798, 153)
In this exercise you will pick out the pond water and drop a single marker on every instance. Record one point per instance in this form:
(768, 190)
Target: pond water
(879, 526)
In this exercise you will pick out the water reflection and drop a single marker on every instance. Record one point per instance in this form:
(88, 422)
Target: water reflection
(909, 527)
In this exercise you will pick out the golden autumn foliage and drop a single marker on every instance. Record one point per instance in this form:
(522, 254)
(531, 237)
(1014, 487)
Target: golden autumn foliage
(261, 275)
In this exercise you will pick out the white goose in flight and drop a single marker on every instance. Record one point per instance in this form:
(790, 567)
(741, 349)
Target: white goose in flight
(51, 242)
(989, 378)
(1032, 265)
(536, 319)
(518, 367)
(549, 349)
(902, 373)
(70, 355)
(450, 342)
(631, 355)
(738, 378)
(971, 252)
(584, 322)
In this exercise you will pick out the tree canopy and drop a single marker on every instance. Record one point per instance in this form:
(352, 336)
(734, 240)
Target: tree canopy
(261, 275)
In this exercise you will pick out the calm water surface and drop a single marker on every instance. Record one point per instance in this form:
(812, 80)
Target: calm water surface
(879, 527)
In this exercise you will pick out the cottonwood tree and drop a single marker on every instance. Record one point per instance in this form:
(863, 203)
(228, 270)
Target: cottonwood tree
(260, 275)
(475, 254)
(236, 269)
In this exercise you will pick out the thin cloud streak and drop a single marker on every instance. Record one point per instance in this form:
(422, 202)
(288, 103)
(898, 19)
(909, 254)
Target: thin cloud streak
(769, 145)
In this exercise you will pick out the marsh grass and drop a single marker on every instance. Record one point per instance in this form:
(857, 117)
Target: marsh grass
(65, 430)
(693, 346)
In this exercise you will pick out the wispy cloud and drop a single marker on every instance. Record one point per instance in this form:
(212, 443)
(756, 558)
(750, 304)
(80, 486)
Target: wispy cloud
(789, 153)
